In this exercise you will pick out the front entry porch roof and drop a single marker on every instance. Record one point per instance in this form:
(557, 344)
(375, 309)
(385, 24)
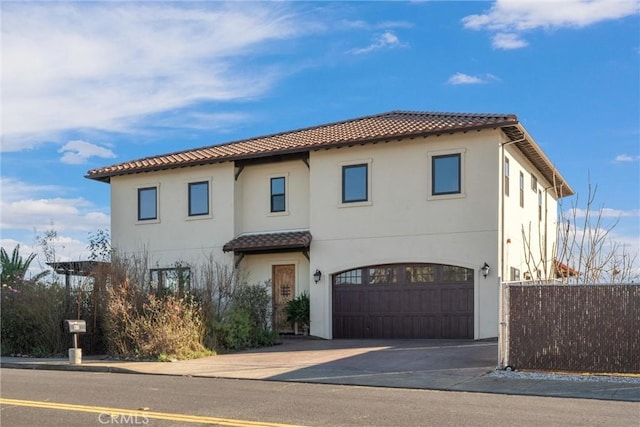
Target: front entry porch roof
(269, 242)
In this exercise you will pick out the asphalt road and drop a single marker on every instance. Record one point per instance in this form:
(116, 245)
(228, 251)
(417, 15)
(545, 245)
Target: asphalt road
(53, 398)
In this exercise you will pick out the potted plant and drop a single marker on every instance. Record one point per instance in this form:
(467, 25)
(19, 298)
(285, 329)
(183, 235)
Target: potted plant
(297, 311)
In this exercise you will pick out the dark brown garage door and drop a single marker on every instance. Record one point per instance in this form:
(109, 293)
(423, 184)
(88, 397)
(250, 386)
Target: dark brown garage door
(403, 301)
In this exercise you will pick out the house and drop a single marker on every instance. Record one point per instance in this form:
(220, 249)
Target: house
(386, 221)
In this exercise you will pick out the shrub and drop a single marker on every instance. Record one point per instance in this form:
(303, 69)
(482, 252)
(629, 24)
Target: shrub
(142, 325)
(246, 323)
(32, 319)
(297, 310)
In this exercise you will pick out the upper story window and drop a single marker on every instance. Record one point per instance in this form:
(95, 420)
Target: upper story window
(355, 186)
(147, 203)
(539, 205)
(278, 194)
(198, 198)
(445, 174)
(534, 183)
(506, 176)
(521, 190)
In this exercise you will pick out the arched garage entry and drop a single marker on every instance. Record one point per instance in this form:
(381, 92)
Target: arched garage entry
(403, 301)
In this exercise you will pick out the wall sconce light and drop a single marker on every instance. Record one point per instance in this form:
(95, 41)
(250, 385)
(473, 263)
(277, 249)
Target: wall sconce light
(317, 276)
(485, 270)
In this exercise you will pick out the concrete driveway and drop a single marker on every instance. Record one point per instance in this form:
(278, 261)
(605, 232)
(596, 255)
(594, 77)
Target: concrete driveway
(438, 364)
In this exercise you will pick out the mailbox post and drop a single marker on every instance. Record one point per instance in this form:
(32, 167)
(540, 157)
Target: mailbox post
(75, 327)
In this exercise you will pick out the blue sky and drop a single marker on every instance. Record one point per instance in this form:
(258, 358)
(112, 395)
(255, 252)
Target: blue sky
(89, 84)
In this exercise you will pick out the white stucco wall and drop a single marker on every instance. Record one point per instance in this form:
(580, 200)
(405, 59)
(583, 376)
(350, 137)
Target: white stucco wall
(524, 232)
(403, 222)
(174, 236)
(253, 195)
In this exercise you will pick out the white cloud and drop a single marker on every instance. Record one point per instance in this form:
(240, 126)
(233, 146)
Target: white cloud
(626, 158)
(466, 79)
(78, 152)
(14, 189)
(508, 41)
(104, 66)
(383, 41)
(24, 208)
(512, 17)
(606, 213)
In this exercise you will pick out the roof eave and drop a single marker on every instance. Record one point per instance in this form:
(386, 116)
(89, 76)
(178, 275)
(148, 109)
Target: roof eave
(106, 176)
(532, 151)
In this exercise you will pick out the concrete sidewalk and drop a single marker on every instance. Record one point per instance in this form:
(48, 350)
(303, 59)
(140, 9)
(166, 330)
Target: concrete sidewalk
(421, 364)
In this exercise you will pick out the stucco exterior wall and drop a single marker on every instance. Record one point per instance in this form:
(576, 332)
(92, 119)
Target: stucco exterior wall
(253, 193)
(403, 222)
(174, 236)
(524, 238)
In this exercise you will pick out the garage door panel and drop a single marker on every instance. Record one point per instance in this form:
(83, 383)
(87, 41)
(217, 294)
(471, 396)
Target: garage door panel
(397, 309)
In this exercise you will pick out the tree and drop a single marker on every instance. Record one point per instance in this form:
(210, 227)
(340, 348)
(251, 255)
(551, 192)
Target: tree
(14, 268)
(585, 251)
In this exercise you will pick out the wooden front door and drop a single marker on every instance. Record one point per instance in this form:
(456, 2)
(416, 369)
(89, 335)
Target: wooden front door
(284, 290)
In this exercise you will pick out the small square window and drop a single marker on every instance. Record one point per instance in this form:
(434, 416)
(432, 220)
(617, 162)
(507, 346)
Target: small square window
(355, 187)
(198, 198)
(278, 195)
(147, 203)
(445, 174)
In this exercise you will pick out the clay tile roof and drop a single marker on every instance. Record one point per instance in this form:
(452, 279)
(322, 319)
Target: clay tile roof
(264, 242)
(380, 127)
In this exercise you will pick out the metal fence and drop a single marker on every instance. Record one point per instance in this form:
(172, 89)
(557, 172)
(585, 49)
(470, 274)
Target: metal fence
(580, 328)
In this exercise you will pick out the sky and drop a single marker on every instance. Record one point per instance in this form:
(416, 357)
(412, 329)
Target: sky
(89, 84)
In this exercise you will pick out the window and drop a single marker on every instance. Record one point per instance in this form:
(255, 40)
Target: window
(451, 273)
(355, 186)
(198, 198)
(539, 205)
(515, 274)
(171, 280)
(278, 198)
(521, 190)
(506, 176)
(534, 183)
(445, 174)
(420, 273)
(382, 275)
(147, 203)
(351, 277)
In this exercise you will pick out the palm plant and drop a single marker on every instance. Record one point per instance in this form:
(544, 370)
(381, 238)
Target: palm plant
(14, 268)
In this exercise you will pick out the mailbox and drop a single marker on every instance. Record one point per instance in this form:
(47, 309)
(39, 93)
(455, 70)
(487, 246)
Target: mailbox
(75, 326)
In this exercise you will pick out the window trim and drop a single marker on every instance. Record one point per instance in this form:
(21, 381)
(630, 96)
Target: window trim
(187, 199)
(369, 187)
(461, 153)
(284, 175)
(272, 194)
(150, 220)
(198, 215)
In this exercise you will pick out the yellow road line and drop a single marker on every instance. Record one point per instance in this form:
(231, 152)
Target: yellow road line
(114, 412)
